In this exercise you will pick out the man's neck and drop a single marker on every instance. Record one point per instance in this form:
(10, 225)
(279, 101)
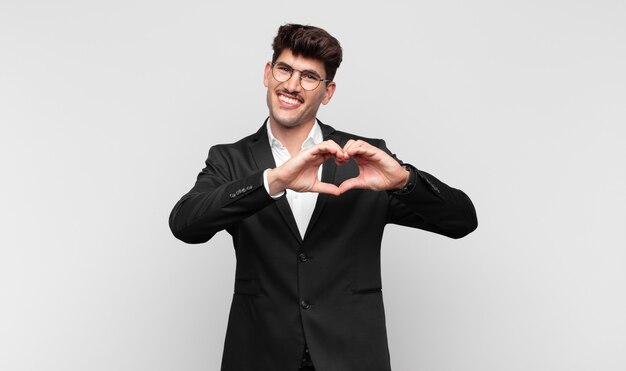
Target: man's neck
(292, 137)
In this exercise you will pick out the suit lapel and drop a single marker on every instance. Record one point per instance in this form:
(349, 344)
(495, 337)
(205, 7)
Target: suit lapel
(262, 155)
(328, 176)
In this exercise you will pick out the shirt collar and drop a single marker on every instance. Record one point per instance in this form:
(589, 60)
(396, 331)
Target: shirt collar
(315, 137)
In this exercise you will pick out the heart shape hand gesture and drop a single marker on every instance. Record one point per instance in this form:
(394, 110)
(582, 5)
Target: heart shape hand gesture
(377, 170)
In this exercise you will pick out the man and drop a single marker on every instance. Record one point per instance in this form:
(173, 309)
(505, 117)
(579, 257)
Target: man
(306, 206)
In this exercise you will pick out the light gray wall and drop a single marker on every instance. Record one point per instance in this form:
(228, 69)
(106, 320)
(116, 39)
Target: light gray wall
(108, 109)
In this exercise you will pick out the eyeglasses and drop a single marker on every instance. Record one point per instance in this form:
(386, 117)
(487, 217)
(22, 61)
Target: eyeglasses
(308, 80)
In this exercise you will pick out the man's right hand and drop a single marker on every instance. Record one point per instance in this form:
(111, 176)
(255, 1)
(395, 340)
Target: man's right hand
(300, 172)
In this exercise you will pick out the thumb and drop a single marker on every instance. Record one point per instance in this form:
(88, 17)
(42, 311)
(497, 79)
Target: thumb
(350, 184)
(321, 187)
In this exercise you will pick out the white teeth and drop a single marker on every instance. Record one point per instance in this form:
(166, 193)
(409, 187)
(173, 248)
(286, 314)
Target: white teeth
(288, 100)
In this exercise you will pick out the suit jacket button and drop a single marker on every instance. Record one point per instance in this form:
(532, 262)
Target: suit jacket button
(305, 304)
(302, 257)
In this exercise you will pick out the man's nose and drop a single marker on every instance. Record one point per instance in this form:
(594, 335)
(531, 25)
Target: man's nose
(293, 84)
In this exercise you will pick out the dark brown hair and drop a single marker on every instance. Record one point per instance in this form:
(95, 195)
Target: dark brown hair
(309, 42)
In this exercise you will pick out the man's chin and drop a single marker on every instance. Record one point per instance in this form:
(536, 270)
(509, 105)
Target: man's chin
(287, 122)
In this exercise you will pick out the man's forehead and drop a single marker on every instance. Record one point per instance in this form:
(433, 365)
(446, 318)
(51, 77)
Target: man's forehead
(300, 62)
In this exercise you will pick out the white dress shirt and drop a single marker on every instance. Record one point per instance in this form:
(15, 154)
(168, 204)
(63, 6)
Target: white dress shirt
(301, 203)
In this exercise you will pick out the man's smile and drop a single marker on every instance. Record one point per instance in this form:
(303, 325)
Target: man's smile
(289, 100)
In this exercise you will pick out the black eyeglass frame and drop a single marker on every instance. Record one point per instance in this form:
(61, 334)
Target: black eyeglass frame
(301, 72)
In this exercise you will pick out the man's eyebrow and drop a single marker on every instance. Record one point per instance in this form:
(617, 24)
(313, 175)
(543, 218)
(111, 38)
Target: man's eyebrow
(312, 72)
(283, 64)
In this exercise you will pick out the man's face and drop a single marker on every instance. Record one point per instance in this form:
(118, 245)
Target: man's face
(289, 104)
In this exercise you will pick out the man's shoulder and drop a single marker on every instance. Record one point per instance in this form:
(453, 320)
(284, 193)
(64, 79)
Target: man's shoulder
(241, 144)
(353, 136)
(342, 137)
(346, 136)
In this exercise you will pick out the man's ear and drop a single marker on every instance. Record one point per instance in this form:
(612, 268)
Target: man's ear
(330, 90)
(266, 75)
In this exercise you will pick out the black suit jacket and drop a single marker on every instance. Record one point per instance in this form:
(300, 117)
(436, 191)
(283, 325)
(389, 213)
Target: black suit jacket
(323, 289)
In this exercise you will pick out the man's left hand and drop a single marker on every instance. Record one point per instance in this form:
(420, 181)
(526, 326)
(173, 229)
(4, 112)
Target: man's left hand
(377, 170)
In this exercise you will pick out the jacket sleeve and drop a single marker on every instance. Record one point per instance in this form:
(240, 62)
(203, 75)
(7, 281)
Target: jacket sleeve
(430, 204)
(218, 199)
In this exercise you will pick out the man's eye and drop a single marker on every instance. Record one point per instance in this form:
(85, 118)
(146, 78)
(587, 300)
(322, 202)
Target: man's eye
(309, 77)
(284, 69)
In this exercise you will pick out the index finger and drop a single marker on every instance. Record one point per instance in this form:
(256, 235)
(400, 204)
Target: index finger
(362, 148)
(329, 146)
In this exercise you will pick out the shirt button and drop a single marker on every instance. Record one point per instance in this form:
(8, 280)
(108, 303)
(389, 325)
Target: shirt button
(302, 257)
(305, 304)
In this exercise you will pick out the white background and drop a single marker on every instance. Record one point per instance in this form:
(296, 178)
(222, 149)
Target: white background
(108, 109)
